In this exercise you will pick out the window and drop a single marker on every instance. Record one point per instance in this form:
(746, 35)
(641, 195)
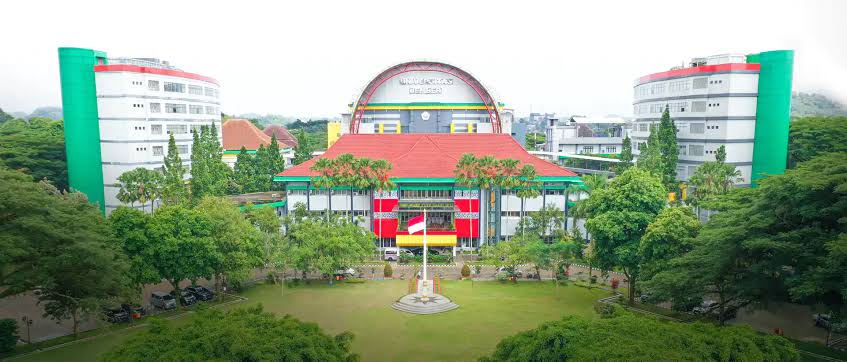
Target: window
(695, 150)
(174, 87)
(155, 108)
(554, 192)
(677, 86)
(210, 110)
(683, 150)
(153, 85)
(510, 213)
(699, 83)
(643, 127)
(195, 89)
(158, 150)
(587, 149)
(174, 108)
(677, 106)
(195, 128)
(697, 128)
(195, 109)
(211, 92)
(297, 192)
(611, 149)
(177, 129)
(182, 149)
(156, 129)
(426, 194)
(657, 108)
(656, 89)
(698, 106)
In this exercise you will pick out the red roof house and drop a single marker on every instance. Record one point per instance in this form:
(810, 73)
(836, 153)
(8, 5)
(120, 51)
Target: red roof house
(283, 136)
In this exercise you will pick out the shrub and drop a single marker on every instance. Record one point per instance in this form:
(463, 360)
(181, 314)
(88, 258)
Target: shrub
(607, 310)
(387, 271)
(466, 271)
(477, 269)
(270, 278)
(615, 283)
(593, 279)
(629, 337)
(8, 335)
(502, 277)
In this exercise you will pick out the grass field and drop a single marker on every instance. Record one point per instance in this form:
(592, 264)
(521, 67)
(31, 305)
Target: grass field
(488, 312)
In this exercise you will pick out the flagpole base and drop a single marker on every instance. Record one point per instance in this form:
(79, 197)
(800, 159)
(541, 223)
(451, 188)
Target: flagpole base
(421, 304)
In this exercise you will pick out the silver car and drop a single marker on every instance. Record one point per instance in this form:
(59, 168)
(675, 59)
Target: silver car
(162, 300)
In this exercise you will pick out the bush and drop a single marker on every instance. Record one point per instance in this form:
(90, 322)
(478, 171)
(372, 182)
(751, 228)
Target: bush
(8, 335)
(387, 271)
(608, 310)
(617, 339)
(502, 277)
(270, 278)
(466, 271)
(593, 279)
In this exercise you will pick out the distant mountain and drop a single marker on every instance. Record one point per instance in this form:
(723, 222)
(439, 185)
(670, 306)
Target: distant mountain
(47, 112)
(814, 104)
(5, 116)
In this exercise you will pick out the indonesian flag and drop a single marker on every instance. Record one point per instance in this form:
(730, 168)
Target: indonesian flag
(417, 224)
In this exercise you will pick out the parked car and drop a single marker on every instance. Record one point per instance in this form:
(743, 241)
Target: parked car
(517, 273)
(710, 308)
(391, 254)
(200, 292)
(825, 321)
(116, 315)
(346, 273)
(185, 297)
(162, 300)
(134, 311)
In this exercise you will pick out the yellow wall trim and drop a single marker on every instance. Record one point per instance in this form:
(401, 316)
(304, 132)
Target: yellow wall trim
(431, 240)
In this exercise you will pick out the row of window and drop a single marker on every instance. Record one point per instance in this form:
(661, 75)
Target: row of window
(693, 128)
(587, 150)
(160, 150)
(426, 194)
(673, 86)
(550, 192)
(677, 107)
(172, 87)
(174, 108)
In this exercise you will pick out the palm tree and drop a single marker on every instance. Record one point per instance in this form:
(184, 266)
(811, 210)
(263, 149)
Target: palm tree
(139, 185)
(465, 173)
(362, 178)
(380, 183)
(487, 177)
(345, 172)
(529, 188)
(325, 167)
(508, 177)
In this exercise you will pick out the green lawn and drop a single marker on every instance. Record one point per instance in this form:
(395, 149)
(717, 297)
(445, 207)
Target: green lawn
(488, 312)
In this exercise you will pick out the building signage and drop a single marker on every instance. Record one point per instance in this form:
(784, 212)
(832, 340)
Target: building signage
(426, 84)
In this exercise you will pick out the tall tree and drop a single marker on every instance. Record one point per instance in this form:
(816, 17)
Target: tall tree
(244, 171)
(174, 191)
(140, 185)
(237, 243)
(59, 246)
(262, 170)
(528, 187)
(618, 218)
(626, 156)
(326, 245)
(130, 227)
(669, 236)
(668, 149)
(809, 137)
(650, 156)
(276, 162)
(304, 149)
(326, 179)
(210, 176)
(36, 147)
(184, 247)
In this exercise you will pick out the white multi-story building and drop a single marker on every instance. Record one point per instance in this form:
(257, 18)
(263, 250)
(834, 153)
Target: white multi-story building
(585, 135)
(732, 100)
(120, 113)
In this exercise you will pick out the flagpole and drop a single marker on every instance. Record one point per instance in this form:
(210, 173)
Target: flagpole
(424, 247)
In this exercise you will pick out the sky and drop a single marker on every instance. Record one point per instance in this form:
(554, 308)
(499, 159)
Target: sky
(310, 58)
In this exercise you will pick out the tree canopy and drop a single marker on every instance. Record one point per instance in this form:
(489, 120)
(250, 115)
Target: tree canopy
(634, 338)
(36, 147)
(813, 136)
(248, 334)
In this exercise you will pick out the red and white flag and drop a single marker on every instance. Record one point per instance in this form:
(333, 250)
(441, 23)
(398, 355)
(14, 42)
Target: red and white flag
(417, 224)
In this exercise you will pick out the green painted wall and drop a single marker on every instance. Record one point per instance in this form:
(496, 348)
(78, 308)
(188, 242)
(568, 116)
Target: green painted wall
(773, 108)
(82, 129)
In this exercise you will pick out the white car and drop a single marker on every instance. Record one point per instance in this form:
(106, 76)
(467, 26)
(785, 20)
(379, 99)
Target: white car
(391, 254)
(349, 272)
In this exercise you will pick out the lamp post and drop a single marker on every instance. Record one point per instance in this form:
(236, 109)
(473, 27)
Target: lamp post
(28, 322)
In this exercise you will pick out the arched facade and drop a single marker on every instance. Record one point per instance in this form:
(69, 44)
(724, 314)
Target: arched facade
(425, 97)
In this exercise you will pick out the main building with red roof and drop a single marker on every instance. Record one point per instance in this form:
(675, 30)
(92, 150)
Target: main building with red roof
(423, 169)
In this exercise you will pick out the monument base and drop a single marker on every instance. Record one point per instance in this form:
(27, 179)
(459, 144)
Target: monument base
(424, 304)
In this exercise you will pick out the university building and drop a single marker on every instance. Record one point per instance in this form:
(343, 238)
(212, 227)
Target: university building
(119, 113)
(738, 101)
(422, 117)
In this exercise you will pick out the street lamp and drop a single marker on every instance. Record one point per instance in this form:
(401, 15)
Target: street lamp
(28, 322)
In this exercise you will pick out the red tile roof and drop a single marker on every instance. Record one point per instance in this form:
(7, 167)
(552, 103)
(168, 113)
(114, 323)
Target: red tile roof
(429, 155)
(240, 132)
(283, 136)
